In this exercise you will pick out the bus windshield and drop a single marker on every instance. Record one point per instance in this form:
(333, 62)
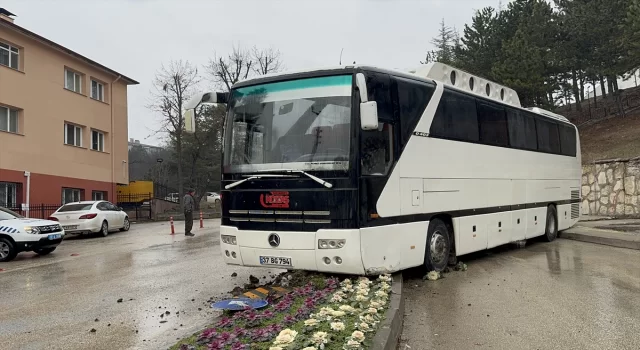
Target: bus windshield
(301, 124)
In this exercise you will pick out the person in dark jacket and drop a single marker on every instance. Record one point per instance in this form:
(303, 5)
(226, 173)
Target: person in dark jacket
(189, 206)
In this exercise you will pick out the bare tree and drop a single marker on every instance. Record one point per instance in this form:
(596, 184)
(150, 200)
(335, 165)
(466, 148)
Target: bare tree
(226, 71)
(267, 61)
(173, 86)
(241, 64)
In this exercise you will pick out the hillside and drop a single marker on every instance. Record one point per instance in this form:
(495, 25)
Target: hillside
(611, 138)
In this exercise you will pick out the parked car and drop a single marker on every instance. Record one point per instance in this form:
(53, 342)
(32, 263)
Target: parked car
(213, 197)
(172, 197)
(19, 234)
(91, 217)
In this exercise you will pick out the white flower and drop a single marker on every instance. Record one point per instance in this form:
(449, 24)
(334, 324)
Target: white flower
(382, 294)
(372, 310)
(309, 348)
(275, 348)
(320, 338)
(364, 280)
(363, 291)
(286, 336)
(347, 308)
(337, 326)
(311, 322)
(385, 286)
(361, 298)
(385, 278)
(357, 336)
(352, 344)
(337, 313)
(337, 298)
(363, 326)
(368, 318)
(375, 304)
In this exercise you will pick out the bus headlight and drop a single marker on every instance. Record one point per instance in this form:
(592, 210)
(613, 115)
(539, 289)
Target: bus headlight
(228, 239)
(331, 243)
(32, 230)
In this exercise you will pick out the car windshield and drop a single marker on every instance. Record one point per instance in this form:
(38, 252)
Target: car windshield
(301, 124)
(75, 207)
(6, 214)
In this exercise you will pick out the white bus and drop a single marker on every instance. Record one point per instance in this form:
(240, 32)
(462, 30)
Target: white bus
(362, 170)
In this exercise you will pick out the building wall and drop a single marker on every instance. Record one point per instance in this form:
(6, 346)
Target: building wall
(611, 187)
(38, 91)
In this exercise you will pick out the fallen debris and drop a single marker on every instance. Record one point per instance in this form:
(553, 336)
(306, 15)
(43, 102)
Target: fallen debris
(93, 330)
(460, 266)
(120, 300)
(253, 279)
(234, 274)
(432, 276)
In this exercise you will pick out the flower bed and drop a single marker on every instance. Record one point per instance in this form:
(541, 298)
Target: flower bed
(328, 315)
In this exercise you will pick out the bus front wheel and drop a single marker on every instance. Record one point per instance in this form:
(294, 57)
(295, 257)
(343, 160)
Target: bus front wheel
(436, 255)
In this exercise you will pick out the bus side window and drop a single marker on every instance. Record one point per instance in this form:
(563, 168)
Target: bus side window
(413, 97)
(456, 118)
(377, 150)
(379, 90)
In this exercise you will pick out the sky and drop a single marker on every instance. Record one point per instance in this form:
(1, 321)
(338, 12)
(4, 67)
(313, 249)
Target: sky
(135, 37)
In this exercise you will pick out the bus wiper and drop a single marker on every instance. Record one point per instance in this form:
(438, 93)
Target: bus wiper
(294, 171)
(252, 177)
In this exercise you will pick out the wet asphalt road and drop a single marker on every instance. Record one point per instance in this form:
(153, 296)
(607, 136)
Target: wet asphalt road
(52, 302)
(559, 295)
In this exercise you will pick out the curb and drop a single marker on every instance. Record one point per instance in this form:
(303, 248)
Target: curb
(610, 241)
(388, 335)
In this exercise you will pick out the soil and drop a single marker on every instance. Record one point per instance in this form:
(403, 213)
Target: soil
(611, 138)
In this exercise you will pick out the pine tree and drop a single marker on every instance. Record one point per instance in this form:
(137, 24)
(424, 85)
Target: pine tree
(480, 43)
(444, 44)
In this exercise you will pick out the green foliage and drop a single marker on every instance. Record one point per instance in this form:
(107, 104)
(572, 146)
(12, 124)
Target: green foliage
(549, 50)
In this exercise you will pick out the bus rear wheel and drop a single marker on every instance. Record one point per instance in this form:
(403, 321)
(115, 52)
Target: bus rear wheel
(436, 255)
(551, 226)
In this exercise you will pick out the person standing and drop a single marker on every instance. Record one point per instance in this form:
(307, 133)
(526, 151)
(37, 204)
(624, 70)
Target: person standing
(189, 206)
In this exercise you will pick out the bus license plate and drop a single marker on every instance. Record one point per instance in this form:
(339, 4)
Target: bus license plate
(56, 236)
(275, 260)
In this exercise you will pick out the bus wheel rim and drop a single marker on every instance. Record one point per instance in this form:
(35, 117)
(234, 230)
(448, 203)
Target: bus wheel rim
(437, 247)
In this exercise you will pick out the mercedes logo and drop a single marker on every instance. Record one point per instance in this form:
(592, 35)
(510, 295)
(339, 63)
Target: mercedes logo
(274, 240)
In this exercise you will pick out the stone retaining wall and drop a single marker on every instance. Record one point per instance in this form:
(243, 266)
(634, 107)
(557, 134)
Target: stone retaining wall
(611, 187)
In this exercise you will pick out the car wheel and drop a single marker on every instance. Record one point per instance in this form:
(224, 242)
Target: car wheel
(8, 250)
(44, 251)
(126, 226)
(551, 226)
(104, 229)
(436, 255)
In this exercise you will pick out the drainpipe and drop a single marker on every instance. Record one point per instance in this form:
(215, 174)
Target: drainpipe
(113, 161)
(27, 174)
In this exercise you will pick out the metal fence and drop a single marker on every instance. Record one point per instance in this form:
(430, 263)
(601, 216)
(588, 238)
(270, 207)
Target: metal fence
(36, 211)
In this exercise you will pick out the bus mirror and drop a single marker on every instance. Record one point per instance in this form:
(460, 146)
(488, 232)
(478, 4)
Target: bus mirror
(369, 115)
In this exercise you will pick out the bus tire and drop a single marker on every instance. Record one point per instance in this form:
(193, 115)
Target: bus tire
(436, 255)
(551, 224)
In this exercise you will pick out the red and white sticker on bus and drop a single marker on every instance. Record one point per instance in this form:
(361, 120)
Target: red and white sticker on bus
(275, 199)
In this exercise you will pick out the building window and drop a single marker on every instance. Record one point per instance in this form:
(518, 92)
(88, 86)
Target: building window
(72, 81)
(8, 194)
(98, 195)
(72, 135)
(97, 141)
(8, 119)
(9, 55)
(97, 90)
(70, 195)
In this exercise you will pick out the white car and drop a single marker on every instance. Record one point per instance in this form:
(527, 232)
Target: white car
(172, 197)
(91, 217)
(213, 197)
(19, 234)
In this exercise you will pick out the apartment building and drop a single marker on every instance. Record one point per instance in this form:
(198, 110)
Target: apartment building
(63, 122)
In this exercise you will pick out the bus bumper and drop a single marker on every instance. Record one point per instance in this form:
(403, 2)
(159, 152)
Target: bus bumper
(300, 249)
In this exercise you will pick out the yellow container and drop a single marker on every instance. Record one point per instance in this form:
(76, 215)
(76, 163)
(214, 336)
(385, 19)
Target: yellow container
(135, 192)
